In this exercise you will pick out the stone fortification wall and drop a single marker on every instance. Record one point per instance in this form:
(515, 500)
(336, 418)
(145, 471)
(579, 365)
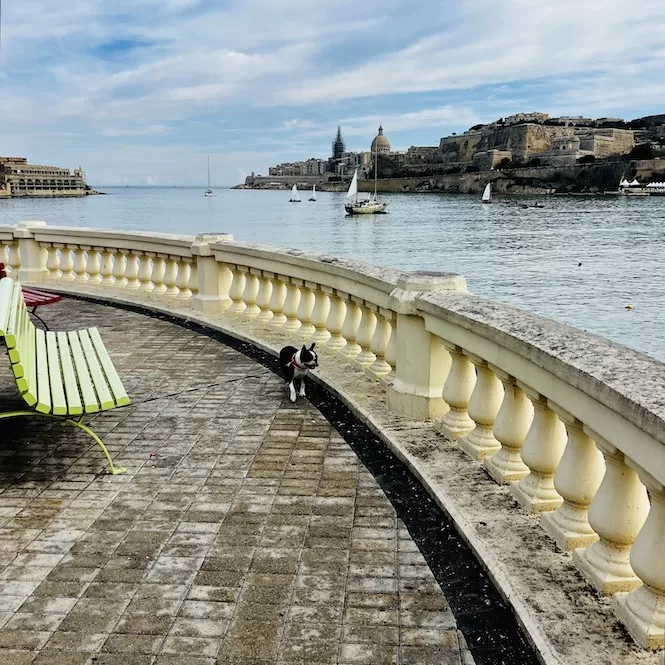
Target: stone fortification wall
(460, 148)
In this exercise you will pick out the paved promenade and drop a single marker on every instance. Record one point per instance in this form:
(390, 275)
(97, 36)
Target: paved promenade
(246, 530)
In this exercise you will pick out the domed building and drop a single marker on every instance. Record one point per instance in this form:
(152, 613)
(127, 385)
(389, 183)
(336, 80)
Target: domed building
(381, 144)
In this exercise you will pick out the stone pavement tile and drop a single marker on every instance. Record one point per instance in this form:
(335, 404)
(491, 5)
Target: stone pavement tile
(199, 627)
(427, 619)
(173, 659)
(61, 658)
(110, 590)
(39, 622)
(316, 613)
(133, 644)
(121, 659)
(143, 624)
(23, 639)
(430, 655)
(195, 646)
(368, 654)
(371, 634)
(251, 641)
(196, 609)
(208, 592)
(363, 616)
(16, 656)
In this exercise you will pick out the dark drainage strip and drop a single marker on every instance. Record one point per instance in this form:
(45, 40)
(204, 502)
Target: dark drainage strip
(485, 619)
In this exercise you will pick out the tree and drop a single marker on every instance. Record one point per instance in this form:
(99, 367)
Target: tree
(641, 151)
(505, 163)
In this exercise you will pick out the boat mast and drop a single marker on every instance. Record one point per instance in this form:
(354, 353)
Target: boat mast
(376, 164)
(208, 171)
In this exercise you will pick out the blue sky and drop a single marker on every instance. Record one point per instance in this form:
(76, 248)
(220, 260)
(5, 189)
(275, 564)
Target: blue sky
(140, 91)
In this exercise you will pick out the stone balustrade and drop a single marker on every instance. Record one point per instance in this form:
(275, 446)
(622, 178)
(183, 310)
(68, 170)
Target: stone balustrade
(573, 424)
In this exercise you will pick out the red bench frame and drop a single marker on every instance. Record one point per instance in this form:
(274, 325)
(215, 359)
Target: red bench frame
(34, 298)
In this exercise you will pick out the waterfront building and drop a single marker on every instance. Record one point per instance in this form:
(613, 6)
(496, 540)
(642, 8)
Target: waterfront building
(20, 179)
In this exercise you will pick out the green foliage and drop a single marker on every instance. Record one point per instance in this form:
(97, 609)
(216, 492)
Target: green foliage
(641, 151)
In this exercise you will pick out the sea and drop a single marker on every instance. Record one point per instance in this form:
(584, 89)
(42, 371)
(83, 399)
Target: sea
(579, 260)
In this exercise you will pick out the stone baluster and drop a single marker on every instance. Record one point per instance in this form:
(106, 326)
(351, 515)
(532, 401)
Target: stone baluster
(100, 266)
(119, 272)
(335, 320)
(93, 266)
(106, 267)
(484, 405)
(158, 272)
(642, 611)
(237, 289)
(263, 298)
(364, 337)
(132, 272)
(305, 309)
(291, 307)
(251, 294)
(320, 316)
(391, 352)
(617, 513)
(80, 261)
(379, 344)
(577, 480)
(53, 263)
(171, 276)
(182, 281)
(277, 301)
(145, 272)
(510, 429)
(541, 452)
(15, 258)
(350, 329)
(457, 391)
(4, 254)
(193, 282)
(67, 263)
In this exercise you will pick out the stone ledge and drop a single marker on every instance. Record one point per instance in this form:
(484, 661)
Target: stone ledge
(565, 621)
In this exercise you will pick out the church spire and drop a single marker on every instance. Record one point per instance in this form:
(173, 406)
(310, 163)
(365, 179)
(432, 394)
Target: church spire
(338, 146)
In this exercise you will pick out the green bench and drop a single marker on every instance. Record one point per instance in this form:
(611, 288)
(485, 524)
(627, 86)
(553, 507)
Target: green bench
(64, 375)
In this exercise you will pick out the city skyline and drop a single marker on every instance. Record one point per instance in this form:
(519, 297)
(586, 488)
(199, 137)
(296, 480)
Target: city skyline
(140, 95)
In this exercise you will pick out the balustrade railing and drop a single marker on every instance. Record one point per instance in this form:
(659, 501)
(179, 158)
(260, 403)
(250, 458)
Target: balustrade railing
(573, 423)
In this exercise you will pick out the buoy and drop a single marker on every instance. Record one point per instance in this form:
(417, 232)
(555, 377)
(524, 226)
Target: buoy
(629, 306)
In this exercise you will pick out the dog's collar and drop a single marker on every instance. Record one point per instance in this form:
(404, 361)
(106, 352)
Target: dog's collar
(294, 362)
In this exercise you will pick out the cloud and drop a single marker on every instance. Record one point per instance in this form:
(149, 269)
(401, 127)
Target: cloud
(274, 79)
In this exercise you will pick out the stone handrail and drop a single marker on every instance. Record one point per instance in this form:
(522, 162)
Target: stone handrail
(574, 424)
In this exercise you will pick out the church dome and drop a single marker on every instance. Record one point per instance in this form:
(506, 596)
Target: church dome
(381, 144)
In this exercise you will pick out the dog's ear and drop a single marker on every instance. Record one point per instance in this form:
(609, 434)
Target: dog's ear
(313, 345)
(304, 348)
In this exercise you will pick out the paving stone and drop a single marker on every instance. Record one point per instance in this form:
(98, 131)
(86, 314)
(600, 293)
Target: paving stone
(246, 532)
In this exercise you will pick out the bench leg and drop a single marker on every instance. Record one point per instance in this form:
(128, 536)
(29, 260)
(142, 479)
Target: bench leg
(115, 470)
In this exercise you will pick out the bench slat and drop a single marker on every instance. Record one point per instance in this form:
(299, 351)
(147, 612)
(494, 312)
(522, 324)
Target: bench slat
(74, 406)
(6, 292)
(43, 383)
(55, 376)
(10, 333)
(90, 402)
(112, 378)
(30, 394)
(98, 378)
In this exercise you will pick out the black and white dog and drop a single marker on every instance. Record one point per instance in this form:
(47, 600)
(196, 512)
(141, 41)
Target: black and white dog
(296, 365)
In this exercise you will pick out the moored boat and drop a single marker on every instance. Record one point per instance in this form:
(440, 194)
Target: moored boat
(295, 197)
(370, 206)
(313, 196)
(487, 194)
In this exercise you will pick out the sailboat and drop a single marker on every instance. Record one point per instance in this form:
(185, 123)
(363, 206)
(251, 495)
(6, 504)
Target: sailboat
(295, 197)
(313, 196)
(487, 194)
(368, 206)
(209, 191)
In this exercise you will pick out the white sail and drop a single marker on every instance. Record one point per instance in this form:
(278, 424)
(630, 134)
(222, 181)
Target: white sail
(313, 193)
(634, 183)
(294, 193)
(353, 187)
(487, 194)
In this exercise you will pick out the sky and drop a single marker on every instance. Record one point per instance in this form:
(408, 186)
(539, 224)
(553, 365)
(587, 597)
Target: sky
(139, 92)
